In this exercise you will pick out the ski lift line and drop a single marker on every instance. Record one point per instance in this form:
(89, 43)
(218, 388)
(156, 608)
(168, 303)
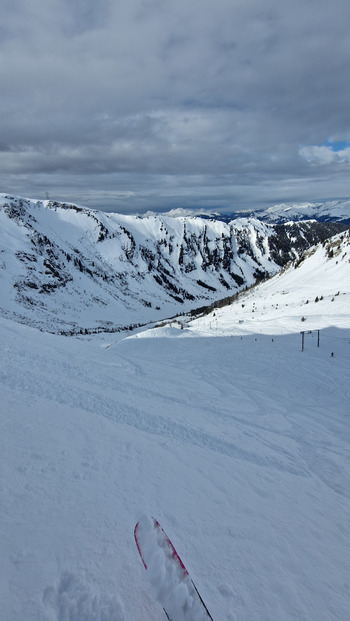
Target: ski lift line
(327, 336)
(303, 332)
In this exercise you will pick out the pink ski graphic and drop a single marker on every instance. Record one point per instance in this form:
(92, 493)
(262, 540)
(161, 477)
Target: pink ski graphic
(169, 579)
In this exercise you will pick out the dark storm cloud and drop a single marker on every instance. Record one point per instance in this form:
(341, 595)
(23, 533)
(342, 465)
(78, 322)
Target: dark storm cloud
(189, 103)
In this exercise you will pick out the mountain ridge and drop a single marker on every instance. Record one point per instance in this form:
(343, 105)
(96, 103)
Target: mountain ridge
(281, 213)
(69, 269)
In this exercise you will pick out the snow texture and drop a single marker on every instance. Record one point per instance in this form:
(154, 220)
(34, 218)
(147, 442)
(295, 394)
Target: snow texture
(73, 600)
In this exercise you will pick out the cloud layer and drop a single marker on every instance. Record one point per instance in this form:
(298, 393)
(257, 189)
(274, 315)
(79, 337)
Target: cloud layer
(147, 104)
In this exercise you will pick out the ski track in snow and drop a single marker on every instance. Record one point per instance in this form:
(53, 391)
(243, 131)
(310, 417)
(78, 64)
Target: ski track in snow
(117, 406)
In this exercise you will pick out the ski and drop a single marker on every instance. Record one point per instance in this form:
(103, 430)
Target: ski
(170, 582)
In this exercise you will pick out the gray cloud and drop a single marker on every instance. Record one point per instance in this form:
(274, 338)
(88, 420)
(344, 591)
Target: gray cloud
(117, 105)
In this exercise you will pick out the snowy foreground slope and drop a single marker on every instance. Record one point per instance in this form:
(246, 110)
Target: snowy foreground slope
(239, 447)
(233, 438)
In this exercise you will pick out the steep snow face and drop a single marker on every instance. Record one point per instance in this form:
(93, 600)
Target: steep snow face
(65, 268)
(68, 269)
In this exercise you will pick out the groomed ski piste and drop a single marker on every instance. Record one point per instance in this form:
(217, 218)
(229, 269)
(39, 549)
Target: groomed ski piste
(235, 439)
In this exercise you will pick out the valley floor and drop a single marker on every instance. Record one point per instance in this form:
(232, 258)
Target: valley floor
(239, 445)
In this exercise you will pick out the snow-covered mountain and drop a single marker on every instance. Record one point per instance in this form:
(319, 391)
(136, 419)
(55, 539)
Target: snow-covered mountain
(330, 211)
(69, 269)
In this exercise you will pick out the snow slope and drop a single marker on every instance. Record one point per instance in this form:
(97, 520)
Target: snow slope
(234, 439)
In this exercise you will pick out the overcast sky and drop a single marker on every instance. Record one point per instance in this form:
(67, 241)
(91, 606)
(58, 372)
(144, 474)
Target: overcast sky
(131, 105)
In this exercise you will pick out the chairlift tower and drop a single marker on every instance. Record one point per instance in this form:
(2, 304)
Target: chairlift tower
(303, 332)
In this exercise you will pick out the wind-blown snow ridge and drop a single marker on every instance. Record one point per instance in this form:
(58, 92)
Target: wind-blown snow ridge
(68, 269)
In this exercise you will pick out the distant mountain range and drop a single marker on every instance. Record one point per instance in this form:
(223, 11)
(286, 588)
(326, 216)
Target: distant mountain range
(331, 211)
(67, 269)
